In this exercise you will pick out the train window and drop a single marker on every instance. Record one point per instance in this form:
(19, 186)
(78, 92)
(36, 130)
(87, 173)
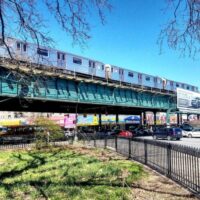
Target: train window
(63, 56)
(171, 83)
(192, 88)
(42, 52)
(177, 85)
(183, 86)
(58, 55)
(102, 67)
(18, 46)
(90, 63)
(77, 61)
(112, 69)
(155, 79)
(130, 74)
(24, 47)
(188, 87)
(147, 78)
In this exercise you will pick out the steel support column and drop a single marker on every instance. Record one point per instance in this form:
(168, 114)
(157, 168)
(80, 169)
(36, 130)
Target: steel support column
(181, 119)
(154, 115)
(100, 121)
(188, 116)
(145, 119)
(141, 119)
(117, 118)
(178, 119)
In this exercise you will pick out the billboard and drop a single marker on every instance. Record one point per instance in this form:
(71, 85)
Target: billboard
(188, 101)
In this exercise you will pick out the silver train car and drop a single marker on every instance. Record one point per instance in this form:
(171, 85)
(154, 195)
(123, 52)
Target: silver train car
(77, 64)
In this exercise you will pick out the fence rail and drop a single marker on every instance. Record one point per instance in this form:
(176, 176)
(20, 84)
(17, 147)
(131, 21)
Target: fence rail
(180, 163)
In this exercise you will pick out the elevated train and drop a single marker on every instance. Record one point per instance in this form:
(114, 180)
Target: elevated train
(62, 60)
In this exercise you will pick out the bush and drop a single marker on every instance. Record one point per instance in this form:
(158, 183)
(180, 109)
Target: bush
(47, 131)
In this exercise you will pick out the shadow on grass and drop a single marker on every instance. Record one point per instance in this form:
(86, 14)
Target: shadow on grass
(42, 185)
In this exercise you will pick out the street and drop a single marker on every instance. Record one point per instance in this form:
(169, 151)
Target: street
(191, 142)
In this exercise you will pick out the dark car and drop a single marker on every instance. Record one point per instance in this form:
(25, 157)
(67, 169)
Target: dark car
(196, 102)
(186, 127)
(141, 131)
(168, 133)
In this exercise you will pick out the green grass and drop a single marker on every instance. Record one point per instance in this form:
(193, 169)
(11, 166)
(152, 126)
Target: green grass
(65, 174)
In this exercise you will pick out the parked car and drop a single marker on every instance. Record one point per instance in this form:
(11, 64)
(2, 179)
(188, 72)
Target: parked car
(125, 133)
(141, 131)
(3, 130)
(194, 133)
(168, 133)
(186, 127)
(101, 134)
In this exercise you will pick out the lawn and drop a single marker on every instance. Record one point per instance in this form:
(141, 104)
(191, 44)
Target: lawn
(67, 173)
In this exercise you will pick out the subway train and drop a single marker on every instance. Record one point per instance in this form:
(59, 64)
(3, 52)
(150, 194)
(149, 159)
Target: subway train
(50, 57)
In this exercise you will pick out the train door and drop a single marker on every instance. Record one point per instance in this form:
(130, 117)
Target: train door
(61, 59)
(121, 75)
(21, 49)
(164, 83)
(140, 79)
(107, 71)
(155, 82)
(92, 68)
(171, 85)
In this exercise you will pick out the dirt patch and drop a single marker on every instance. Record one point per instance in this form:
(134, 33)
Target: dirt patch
(158, 187)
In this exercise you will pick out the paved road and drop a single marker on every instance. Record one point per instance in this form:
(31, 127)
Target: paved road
(192, 142)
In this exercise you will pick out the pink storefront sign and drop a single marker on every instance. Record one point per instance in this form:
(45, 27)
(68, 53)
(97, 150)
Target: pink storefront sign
(69, 121)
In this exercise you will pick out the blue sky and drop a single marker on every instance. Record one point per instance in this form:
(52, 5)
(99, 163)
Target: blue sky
(129, 39)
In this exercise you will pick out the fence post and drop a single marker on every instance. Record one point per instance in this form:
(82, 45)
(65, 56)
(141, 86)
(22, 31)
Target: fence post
(116, 143)
(145, 152)
(105, 144)
(169, 161)
(95, 142)
(129, 148)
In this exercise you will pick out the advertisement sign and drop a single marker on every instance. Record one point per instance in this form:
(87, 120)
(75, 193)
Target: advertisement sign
(13, 122)
(188, 101)
(106, 119)
(89, 120)
(69, 121)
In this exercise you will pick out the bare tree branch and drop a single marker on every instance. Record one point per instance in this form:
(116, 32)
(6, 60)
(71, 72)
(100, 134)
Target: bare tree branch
(72, 16)
(182, 32)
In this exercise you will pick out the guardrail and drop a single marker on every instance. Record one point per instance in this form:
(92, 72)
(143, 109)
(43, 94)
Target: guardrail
(180, 163)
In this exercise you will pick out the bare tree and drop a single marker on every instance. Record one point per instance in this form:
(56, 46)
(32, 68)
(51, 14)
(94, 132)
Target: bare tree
(24, 17)
(182, 31)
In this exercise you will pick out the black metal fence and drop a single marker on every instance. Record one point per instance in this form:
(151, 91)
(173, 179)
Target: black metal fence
(180, 163)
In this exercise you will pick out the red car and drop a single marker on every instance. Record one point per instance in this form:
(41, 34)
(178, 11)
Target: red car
(125, 133)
